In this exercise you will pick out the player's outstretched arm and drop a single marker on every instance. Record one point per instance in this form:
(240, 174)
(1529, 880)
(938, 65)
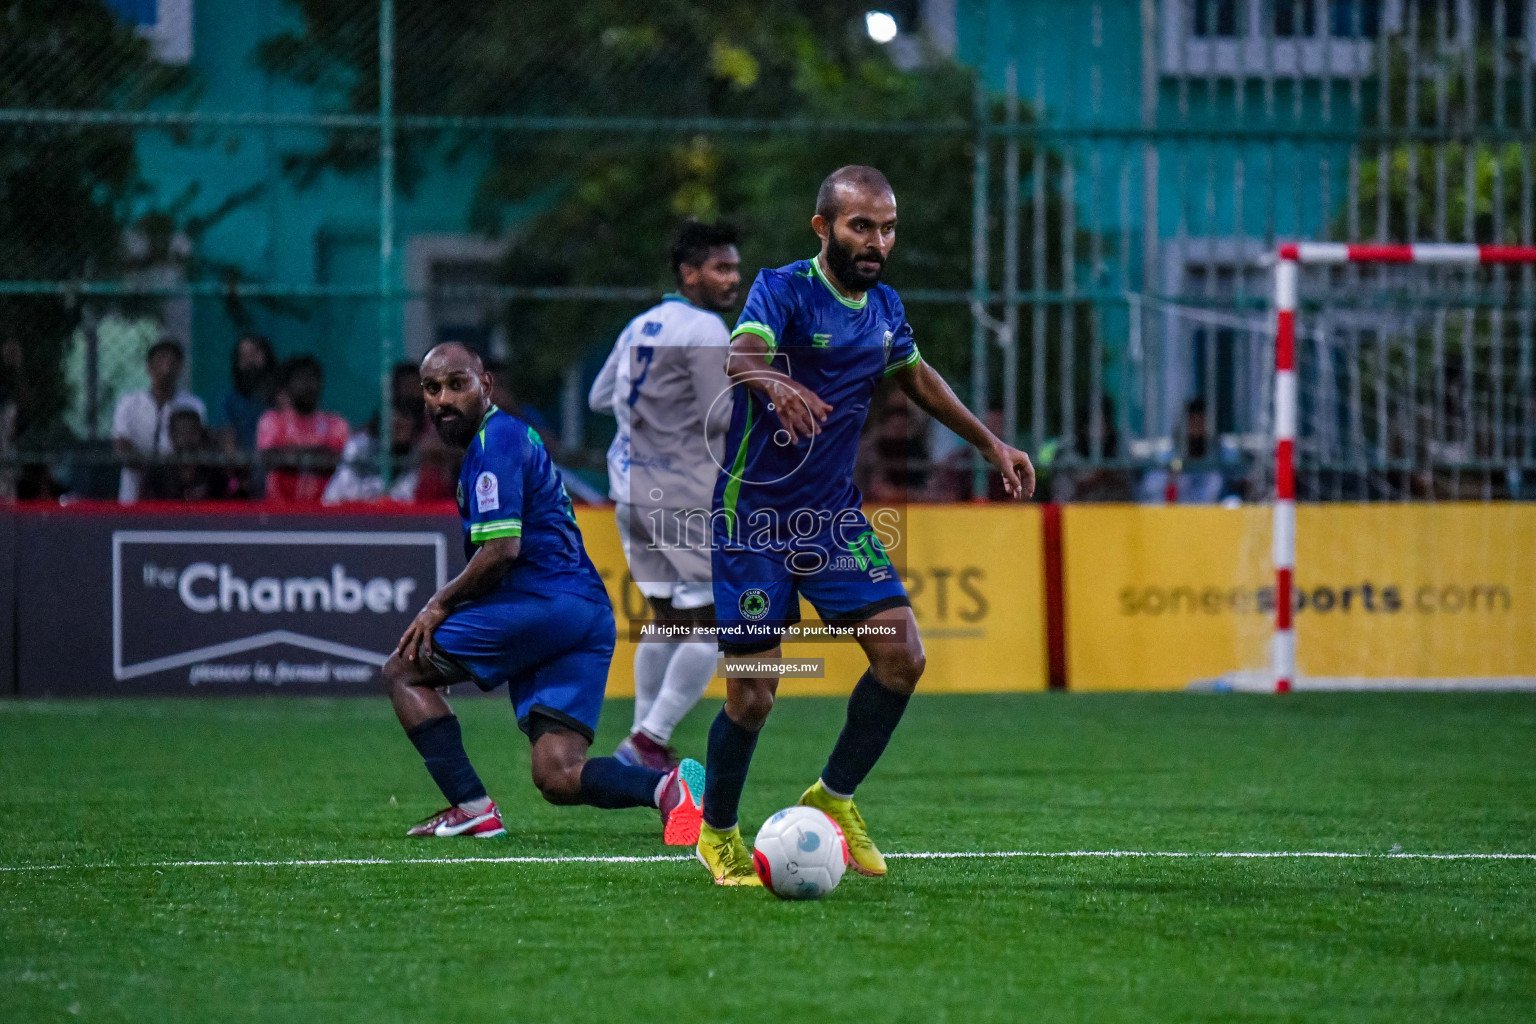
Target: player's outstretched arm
(600, 398)
(933, 395)
(801, 412)
(479, 578)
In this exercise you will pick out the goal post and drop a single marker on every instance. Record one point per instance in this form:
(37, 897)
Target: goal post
(1287, 387)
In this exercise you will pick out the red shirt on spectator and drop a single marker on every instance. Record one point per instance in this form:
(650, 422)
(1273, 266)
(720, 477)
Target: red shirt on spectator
(285, 428)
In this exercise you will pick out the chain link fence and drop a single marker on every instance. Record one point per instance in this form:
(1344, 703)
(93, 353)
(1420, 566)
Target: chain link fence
(1088, 194)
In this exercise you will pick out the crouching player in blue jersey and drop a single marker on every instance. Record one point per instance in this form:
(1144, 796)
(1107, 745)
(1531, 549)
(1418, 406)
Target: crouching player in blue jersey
(813, 340)
(529, 610)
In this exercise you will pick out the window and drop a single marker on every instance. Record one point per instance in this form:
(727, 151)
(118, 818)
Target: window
(1295, 18)
(1324, 38)
(1515, 12)
(1215, 343)
(1279, 38)
(167, 24)
(1215, 18)
(452, 261)
(1346, 19)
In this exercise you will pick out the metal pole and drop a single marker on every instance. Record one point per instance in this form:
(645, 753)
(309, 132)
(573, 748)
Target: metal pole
(386, 229)
(979, 275)
(92, 375)
(1010, 338)
(1283, 645)
(1150, 260)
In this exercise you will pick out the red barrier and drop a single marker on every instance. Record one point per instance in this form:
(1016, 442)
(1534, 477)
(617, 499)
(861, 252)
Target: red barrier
(1055, 603)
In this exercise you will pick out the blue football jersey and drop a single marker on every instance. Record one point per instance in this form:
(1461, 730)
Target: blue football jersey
(509, 487)
(838, 348)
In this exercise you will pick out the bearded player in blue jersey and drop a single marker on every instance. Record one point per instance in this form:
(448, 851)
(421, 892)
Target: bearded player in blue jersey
(813, 341)
(529, 611)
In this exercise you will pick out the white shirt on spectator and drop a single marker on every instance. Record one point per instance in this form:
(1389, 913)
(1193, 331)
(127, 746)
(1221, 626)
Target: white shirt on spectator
(147, 426)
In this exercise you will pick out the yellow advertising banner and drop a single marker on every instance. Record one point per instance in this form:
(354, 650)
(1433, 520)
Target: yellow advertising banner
(974, 573)
(1159, 597)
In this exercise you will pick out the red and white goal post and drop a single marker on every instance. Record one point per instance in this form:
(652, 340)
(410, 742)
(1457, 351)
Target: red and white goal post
(1286, 411)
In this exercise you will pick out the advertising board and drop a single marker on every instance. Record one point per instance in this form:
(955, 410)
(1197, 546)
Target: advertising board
(1162, 597)
(208, 601)
(228, 603)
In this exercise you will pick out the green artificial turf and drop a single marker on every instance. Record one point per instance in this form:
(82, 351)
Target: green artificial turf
(1101, 939)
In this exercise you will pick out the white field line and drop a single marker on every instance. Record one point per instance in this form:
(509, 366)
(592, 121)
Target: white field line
(672, 858)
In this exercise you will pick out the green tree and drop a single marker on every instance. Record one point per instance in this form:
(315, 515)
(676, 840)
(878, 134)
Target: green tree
(66, 191)
(590, 202)
(1428, 84)
(1464, 398)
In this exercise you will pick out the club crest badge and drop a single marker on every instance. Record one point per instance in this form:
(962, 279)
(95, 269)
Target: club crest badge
(753, 604)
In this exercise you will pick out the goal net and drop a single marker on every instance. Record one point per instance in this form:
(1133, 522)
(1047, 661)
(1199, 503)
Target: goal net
(1401, 538)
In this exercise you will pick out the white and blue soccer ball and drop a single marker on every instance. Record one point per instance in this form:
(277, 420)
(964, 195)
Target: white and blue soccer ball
(800, 854)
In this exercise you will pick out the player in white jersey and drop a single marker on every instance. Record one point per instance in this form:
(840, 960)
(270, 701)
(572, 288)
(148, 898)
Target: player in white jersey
(665, 382)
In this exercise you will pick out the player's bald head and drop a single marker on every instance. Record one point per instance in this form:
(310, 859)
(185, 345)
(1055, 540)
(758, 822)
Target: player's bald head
(457, 391)
(450, 356)
(845, 183)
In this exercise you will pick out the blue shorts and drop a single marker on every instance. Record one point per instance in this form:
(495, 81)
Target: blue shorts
(844, 573)
(551, 651)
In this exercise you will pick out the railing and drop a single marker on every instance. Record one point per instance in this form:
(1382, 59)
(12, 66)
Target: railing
(1082, 243)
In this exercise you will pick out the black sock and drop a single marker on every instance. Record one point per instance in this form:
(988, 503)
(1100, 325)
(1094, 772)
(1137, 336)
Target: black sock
(441, 745)
(873, 714)
(610, 783)
(725, 770)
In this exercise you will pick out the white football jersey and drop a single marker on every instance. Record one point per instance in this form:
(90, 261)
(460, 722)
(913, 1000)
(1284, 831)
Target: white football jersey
(666, 384)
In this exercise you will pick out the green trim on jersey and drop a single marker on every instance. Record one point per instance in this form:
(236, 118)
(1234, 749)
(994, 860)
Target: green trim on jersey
(821, 275)
(733, 488)
(479, 533)
(761, 330)
(492, 411)
(911, 360)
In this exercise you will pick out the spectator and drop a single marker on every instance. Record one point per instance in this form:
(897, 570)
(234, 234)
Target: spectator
(953, 463)
(895, 453)
(407, 400)
(253, 383)
(185, 478)
(301, 444)
(358, 477)
(119, 347)
(141, 421)
(1190, 480)
(425, 468)
(443, 462)
(1092, 482)
(437, 471)
(505, 399)
(10, 414)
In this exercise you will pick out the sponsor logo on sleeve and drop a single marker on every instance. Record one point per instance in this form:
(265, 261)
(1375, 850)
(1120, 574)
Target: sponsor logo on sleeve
(487, 496)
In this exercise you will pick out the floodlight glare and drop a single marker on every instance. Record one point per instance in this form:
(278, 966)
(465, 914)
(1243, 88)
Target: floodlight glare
(881, 26)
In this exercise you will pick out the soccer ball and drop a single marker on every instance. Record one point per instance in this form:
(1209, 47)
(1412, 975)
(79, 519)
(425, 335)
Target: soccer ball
(800, 854)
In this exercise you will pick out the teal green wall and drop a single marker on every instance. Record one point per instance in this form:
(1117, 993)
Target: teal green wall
(1058, 39)
(324, 233)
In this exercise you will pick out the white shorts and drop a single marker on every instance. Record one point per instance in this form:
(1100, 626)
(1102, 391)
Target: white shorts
(677, 570)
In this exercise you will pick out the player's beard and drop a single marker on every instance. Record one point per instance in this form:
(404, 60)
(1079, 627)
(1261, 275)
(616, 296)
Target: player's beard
(841, 261)
(722, 299)
(456, 430)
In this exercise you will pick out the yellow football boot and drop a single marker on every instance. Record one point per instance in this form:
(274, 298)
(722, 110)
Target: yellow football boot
(726, 855)
(863, 856)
